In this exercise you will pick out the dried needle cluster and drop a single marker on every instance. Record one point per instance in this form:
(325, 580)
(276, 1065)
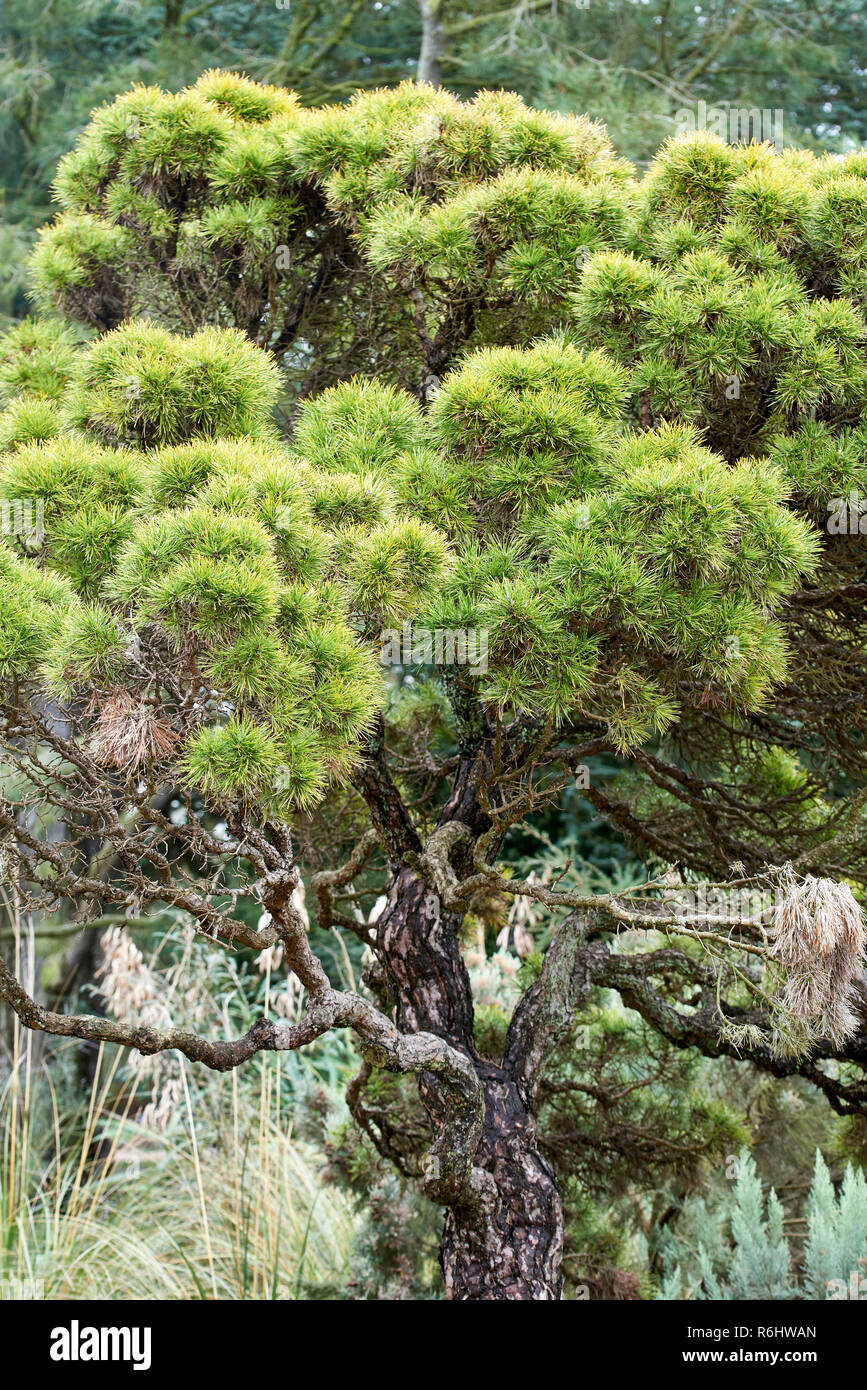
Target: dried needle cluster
(818, 940)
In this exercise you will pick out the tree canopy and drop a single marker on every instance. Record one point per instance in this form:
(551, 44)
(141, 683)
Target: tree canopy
(634, 65)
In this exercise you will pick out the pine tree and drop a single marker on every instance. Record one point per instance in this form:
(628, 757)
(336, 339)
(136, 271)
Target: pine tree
(561, 451)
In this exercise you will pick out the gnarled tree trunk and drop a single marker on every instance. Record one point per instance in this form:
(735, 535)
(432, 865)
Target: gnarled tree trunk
(510, 1245)
(505, 1240)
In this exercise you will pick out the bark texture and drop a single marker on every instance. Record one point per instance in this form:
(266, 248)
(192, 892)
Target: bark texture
(509, 1244)
(504, 1238)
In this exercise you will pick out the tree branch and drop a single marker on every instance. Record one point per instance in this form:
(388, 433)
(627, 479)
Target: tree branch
(449, 1168)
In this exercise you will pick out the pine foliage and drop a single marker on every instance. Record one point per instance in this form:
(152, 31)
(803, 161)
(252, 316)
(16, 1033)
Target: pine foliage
(223, 558)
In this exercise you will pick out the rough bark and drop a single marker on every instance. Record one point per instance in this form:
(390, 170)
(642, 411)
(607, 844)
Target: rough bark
(509, 1244)
(505, 1239)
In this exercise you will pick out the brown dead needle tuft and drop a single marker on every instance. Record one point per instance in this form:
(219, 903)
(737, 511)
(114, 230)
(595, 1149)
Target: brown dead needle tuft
(818, 939)
(129, 733)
